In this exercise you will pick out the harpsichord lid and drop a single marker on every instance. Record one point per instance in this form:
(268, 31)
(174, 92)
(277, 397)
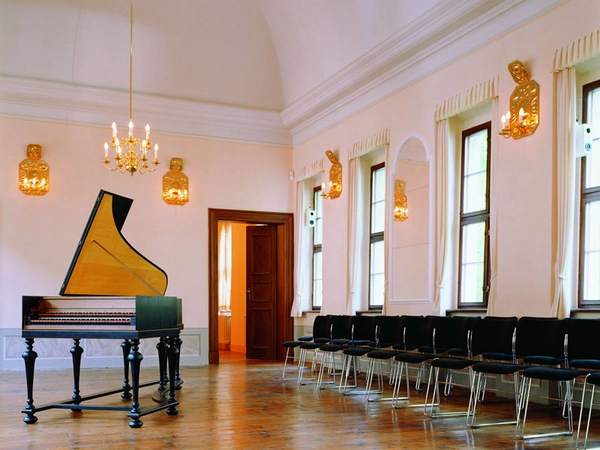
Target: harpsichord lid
(104, 262)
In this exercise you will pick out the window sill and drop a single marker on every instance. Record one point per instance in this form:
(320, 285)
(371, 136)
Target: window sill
(590, 313)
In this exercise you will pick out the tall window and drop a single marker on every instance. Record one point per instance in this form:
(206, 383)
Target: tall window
(474, 273)
(377, 244)
(317, 251)
(589, 243)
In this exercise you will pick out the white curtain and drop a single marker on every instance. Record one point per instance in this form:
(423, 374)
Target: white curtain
(566, 189)
(302, 263)
(565, 58)
(303, 253)
(356, 238)
(225, 266)
(442, 138)
(493, 295)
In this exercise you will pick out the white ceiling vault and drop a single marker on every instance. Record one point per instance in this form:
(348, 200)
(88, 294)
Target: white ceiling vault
(274, 72)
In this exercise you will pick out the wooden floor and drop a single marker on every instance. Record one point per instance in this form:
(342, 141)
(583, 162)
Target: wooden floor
(244, 404)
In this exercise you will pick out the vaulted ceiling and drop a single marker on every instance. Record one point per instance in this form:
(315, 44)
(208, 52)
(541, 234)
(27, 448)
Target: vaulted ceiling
(305, 63)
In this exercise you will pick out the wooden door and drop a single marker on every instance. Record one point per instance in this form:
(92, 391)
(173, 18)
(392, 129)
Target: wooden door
(261, 292)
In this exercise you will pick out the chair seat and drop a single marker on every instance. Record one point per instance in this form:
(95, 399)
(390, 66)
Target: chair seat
(292, 344)
(497, 356)
(553, 374)
(311, 345)
(305, 338)
(413, 358)
(332, 347)
(498, 368)
(452, 363)
(543, 360)
(357, 351)
(382, 354)
(593, 364)
(593, 378)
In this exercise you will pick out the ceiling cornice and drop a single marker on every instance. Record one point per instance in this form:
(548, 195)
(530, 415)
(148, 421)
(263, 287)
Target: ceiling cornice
(444, 34)
(63, 102)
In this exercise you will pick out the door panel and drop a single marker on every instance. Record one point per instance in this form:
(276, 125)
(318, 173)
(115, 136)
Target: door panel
(261, 288)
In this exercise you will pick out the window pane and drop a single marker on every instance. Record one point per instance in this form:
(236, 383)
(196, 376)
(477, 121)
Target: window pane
(378, 201)
(475, 172)
(318, 208)
(472, 263)
(592, 162)
(591, 252)
(317, 293)
(376, 274)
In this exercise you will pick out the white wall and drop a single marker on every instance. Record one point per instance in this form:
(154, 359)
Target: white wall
(525, 171)
(38, 235)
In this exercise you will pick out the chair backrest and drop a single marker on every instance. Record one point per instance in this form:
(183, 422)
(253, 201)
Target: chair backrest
(453, 334)
(341, 327)
(321, 328)
(418, 331)
(389, 331)
(541, 336)
(584, 339)
(364, 328)
(494, 336)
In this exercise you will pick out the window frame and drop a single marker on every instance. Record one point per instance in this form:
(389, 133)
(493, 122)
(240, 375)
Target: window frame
(470, 218)
(374, 237)
(316, 248)
(586, 196)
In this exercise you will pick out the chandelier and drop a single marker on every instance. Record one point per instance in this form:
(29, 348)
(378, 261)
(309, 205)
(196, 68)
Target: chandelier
(131, 152)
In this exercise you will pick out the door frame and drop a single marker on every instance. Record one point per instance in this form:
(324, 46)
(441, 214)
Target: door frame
(285, 271)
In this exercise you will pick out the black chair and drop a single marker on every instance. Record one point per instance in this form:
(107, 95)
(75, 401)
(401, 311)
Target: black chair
(340, 337)
(362, 341)
(494, 342)
(290, 347)
(544, 341)
(456, 336)
(321, 336)
(592, 379)
(389, 332)
(584, 354)
(420, 345)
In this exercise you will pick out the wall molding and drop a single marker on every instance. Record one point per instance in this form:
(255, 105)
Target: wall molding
(443, 35)
(63, 102)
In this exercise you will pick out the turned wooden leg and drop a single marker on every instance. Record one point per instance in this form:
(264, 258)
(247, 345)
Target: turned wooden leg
(162, 364)
(178, 380)
(135, 359)
(126, 347)
(76, 352)
(173, 354)
(29, 357)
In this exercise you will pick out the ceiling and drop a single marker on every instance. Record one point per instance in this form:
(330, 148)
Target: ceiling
(304, 63)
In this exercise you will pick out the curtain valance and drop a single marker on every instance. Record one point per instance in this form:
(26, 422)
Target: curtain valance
(577, 51)
(370, 143)
(309, 171)
(467, 99)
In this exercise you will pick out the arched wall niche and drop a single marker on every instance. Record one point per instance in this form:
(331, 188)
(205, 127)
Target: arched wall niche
(410, 249)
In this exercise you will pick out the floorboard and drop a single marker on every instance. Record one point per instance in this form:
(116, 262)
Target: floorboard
(244, 404)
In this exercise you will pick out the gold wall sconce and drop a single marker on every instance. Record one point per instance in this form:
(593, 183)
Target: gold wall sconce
(175, 190)
(34, 173)
(522, 117)
(400, 201)
(335, 178)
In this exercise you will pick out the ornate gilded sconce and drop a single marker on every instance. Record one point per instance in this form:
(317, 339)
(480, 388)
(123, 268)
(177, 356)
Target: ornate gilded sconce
(523, 116)
(400, 201)
(34, 174)
(175, 189)
(335, 178)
